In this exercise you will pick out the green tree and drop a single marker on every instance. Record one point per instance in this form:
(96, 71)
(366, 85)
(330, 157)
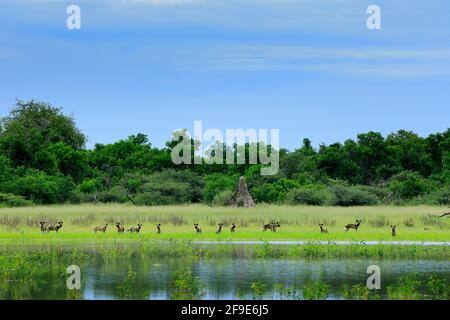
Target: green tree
(33, 126)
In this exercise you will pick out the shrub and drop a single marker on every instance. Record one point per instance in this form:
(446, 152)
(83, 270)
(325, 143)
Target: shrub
(439, 197)
(351, 196)
(309, 195)
(11, 200)
(223, 198)
(274, 192)
(381, 193)
(217, 183)
(154, 198)
(77, 197)
(90, 186)
(42, 188)
(171, 187)
(408, 185)
(116, 195)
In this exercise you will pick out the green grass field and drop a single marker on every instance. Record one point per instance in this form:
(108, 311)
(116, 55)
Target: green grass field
(297, 223)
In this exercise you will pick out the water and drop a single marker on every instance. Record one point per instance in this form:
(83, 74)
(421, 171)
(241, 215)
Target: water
(227, 278)
(233, 278)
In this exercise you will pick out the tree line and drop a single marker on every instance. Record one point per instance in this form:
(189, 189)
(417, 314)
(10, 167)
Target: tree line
(44, 160)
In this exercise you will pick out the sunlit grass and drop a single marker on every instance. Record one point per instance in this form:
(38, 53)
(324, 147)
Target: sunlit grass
(297, 223)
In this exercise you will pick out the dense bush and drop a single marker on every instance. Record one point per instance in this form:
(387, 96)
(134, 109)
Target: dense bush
(223, 198)
(12, 200)
(154, 198)
(41, 188)
(176, 186)
(274, 192)
(351, 196)
(217, 183)
(408, 185)
(438, 197)
(114, 195)
(314, 195)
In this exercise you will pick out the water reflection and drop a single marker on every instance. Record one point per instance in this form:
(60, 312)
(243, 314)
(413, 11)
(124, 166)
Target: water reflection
(143, 277)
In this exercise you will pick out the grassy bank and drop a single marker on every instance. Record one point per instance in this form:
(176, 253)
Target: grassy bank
(418, 223)
(118, 250)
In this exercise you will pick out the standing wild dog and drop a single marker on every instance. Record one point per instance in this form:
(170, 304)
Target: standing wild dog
(58, 226)
(275, 225)
(101, 229)
(136, 229)
(197, 228)
(271, 226)
(233, 227)
(353, 225)
(322, 229)
(219, 229)
(43, 228)
(120, 228)
(394, 230)
(266, 227)
(54, 227)
(158, 228)
(50, 227)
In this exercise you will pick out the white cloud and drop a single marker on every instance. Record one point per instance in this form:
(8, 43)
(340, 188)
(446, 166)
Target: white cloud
(356, 61)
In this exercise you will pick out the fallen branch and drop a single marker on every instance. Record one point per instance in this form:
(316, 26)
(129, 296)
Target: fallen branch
(208, 204)
(131, 200)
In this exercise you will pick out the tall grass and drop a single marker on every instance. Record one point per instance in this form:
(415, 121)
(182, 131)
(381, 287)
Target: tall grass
(433, 221)
(379, 221)
(297, 222)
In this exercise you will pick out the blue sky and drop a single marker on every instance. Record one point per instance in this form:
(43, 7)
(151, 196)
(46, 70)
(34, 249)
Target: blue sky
(308, 67)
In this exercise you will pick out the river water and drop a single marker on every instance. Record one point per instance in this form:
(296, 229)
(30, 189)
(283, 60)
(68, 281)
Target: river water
(144, 277)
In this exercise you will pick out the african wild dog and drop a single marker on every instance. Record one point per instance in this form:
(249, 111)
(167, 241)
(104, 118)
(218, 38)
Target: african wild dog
(394, 230)
(58, 226)
(322, 229)
(43, 228)
(267, 227)
(353, 225)
(54, 227)
(120, 228)
(275, 225)
(101, 229)
(197, 228)
(136, 229)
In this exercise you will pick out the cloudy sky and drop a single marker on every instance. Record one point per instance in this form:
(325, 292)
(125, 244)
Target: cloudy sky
(308, 67)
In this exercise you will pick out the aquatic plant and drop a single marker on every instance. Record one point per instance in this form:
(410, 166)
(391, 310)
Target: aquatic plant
(414, 287)
(315, 290)
(186, 287)
(126, 288)
(359, 292)
(258, 290)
